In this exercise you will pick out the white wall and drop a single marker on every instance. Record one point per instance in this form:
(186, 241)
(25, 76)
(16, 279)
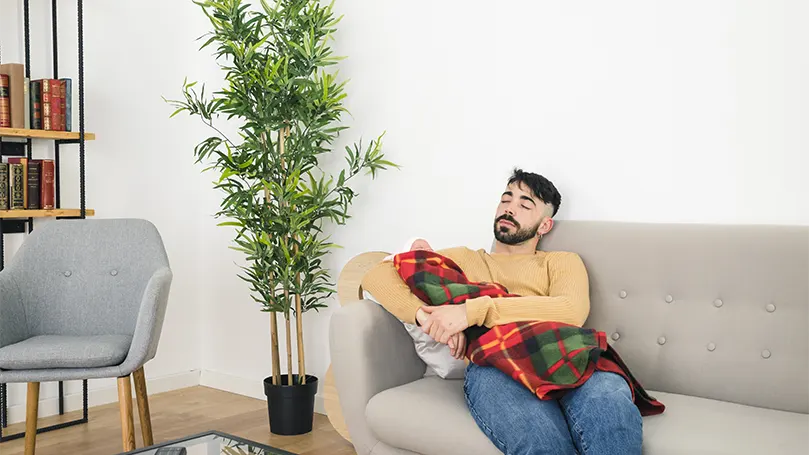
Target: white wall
(689, 111)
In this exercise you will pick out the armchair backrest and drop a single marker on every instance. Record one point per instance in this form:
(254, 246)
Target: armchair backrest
(86, 277)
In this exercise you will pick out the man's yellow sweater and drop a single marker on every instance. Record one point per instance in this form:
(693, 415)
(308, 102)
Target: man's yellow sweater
(553, 287)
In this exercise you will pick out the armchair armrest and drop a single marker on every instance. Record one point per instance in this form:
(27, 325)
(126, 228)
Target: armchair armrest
(370, 352)
(150, 321)
(13, 324)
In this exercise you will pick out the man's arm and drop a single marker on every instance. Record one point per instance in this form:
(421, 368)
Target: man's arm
(388, 288)
(568, 299)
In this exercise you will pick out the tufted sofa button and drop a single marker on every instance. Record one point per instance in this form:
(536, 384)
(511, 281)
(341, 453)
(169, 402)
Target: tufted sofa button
(669, 299)
(711, 347)
(661, 341)
(68, 273)
(113, 272)
(615, 336)
(718, 303)
(766, 353)
(622, 294)
(770, 308)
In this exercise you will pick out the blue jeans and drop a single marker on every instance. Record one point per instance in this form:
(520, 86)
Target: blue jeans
(597, 418)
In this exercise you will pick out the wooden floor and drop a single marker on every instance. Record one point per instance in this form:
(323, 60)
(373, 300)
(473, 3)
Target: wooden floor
(177, 414)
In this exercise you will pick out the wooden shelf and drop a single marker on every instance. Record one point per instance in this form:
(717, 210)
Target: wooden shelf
(43, 134)
(32, 213)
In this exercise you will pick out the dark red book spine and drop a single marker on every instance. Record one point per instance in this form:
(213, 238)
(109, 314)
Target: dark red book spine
(56, 104)
(5, 102)
(47, 186)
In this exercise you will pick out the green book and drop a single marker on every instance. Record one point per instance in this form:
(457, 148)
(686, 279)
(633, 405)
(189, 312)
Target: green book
(3, 186)
(17, 185)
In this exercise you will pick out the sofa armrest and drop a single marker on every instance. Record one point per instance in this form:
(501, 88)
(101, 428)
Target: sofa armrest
(370, 352)
(13, 324)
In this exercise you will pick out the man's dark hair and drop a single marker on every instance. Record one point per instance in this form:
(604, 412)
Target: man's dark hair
(540, 186)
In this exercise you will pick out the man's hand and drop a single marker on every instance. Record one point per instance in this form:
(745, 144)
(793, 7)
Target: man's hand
(457, 345)
(444, 321)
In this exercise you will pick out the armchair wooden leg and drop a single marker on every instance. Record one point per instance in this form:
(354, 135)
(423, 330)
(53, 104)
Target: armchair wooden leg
(143, 406)
(127, 421)
(31, 415)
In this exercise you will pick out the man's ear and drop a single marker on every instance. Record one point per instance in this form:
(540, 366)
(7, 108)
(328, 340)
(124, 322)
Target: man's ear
(545, 227)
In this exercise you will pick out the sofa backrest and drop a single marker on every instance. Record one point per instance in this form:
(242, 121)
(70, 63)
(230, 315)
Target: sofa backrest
(715, 311)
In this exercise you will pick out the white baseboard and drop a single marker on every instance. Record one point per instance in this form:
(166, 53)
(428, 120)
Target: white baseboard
(244, 386)
(106, 395)
(100, 396)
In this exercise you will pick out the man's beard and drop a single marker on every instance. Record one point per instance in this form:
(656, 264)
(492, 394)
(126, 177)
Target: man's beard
(519, 236)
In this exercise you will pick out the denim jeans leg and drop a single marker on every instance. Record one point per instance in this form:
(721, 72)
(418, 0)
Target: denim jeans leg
(602, 417)
(513, 418)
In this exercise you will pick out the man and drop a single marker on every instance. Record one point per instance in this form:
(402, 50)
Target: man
(599, 417)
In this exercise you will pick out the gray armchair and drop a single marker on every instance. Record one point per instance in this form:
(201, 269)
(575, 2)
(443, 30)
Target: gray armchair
(84, 299)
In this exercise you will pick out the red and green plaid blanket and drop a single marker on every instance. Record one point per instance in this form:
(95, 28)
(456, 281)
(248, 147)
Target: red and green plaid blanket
(548, 358)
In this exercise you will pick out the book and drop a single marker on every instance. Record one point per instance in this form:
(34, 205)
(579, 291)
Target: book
(34, 195)
(24, 163)
(16, 186)
(3, 186)
(46, 104)
(35, 92)
(67, 104)
(47, 187)
(16, 87)
(56, 104)
(5, 102)
(27, 98)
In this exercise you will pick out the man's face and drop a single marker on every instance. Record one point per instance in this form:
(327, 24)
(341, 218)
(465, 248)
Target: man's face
(520, 215)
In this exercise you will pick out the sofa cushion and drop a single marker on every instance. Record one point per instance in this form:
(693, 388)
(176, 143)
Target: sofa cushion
(428, 416)
(51, 351)
(701, 426)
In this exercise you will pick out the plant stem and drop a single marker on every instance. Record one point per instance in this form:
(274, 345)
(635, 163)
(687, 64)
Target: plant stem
(289, 351)
(276, 357)
(299, 326)
(276, 360)
(281, 141)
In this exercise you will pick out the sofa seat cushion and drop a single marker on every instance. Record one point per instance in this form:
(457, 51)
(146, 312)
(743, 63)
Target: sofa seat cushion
(428, 416)
(702, 426)
(51, 351)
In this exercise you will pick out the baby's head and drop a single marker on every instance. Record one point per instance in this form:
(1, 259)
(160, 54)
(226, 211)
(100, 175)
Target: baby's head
(420, 244)
(416, 243)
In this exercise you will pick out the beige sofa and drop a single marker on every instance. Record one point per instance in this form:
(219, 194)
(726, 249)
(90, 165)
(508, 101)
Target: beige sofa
(713, 320)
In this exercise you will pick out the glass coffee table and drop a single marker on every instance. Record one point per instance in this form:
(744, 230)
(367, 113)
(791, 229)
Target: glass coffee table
(210, 443)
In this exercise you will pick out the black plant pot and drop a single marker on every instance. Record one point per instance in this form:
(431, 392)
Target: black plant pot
(291, 407)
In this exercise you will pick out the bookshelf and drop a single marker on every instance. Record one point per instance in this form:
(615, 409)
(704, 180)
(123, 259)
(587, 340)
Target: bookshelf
(18, 142)
(43, 134)
(36, 213)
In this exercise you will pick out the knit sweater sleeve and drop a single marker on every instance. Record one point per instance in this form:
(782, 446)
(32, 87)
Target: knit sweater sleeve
(388, 288)
(568, 299)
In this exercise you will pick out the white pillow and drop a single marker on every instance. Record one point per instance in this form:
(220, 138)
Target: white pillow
(439, 360)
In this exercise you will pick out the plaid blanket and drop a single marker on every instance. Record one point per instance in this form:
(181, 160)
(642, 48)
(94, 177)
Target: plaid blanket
(548, 358)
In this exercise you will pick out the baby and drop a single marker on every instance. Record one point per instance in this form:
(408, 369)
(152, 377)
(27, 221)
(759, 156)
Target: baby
(457, 343)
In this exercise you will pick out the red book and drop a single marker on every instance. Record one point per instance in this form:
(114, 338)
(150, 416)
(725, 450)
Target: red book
(5, 102)
(56, 104)
(48, 184)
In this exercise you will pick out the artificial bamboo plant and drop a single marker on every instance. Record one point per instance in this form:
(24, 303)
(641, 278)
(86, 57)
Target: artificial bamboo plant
(287, 109)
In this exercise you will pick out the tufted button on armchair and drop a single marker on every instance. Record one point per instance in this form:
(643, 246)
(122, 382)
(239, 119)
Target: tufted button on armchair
(84, 299)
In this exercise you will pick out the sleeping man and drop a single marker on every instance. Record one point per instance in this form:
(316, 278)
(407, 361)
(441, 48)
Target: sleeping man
(516, 284)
